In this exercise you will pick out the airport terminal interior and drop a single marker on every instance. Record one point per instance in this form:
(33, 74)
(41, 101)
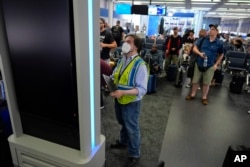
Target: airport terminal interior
(175, 132)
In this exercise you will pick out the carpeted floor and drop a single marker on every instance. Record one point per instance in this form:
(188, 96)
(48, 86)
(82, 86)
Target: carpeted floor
(153, 120)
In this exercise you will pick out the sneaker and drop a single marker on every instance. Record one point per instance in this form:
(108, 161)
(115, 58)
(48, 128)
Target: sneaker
(189, 97)
(204, 101)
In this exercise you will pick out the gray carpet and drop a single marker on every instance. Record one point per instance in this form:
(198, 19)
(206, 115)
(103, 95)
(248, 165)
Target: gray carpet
(153, 120)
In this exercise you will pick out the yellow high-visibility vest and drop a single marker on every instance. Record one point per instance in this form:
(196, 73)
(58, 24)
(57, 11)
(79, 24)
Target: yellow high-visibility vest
(126, 79)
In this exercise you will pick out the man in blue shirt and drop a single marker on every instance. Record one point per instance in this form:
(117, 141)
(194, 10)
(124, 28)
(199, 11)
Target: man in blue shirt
(211, 49)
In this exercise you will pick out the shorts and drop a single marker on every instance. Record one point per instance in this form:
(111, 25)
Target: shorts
(207, 75)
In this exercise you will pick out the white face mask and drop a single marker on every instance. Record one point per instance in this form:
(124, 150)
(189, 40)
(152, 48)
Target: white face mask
(126, 48)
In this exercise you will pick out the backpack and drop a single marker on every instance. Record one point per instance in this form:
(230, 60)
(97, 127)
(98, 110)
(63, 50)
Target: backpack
(116, 32)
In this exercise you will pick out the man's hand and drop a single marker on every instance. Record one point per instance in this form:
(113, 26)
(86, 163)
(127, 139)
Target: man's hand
(166, 53)
(215, 66)
(156, 68)
(117, 94)
(102, 44)
(203, 55)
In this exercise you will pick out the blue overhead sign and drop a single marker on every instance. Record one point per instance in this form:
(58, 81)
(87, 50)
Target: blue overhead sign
(183, 14)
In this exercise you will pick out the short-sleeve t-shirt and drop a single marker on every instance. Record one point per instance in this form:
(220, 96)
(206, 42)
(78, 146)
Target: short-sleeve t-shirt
(106, 37)
(211, 49)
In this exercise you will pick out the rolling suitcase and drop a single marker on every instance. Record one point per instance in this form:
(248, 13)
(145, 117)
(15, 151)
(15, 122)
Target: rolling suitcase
(172, 72)
(151, 84)
(237, 83)
(218, 76)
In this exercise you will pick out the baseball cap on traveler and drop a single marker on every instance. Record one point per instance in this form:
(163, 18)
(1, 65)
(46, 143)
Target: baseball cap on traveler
(213, 25)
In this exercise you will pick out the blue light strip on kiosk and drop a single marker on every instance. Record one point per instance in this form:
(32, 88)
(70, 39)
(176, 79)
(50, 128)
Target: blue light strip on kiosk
(91, 72)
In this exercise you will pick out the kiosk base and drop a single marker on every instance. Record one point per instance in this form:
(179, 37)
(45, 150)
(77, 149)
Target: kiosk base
(31, 151)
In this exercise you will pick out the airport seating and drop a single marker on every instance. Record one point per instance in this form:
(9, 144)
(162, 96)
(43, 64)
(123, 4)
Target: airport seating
(150, 40)
(143, 52)
(148, 45)
(143, 40)
(248, 62)
(248, 71)
(159, 47)
(160, 41)
(236, 61)
(239, 62)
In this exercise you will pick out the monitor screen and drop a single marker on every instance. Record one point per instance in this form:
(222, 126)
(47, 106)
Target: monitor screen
(122, 8)
(42, 55)
(157, 10)
(139, 9)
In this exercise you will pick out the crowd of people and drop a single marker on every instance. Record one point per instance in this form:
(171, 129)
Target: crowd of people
(130, 75)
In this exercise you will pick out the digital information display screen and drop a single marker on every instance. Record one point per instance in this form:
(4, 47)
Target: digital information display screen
(157, 10)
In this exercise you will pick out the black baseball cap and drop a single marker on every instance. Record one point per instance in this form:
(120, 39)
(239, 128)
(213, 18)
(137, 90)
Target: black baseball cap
(192, 31)
(213, 25)
(175, 28)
